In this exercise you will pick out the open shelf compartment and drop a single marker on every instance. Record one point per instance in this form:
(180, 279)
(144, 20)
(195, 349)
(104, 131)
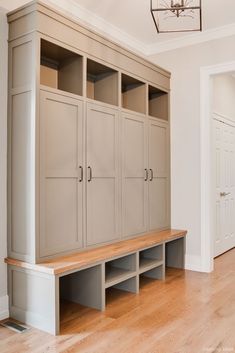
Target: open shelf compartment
(61, 68)
(83, 287)
(175, 253)
(133, 94)
(158, 103)
(120, 270)
(151, 258)
(102, 83)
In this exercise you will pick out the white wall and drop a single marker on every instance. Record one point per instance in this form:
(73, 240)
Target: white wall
(223, 100)
(185, 64)
(3, 164)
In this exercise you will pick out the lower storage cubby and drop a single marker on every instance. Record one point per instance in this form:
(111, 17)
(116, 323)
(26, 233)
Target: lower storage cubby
(157, 272)
(120, 270)
(84, 287)
(175, 253)
(151, 258)
(129, 285)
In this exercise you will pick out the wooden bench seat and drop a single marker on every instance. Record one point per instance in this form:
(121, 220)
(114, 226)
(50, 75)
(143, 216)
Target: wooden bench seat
(35, 290)
(86, 258)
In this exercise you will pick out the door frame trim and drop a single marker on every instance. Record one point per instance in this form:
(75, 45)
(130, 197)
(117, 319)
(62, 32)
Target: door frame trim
(206, 155)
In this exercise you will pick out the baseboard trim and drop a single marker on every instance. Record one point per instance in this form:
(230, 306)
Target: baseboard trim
(193, 263)
(4, 307)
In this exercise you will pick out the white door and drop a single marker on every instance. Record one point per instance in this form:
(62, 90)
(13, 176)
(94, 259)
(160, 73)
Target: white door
(134, 174)
(61, 186)
(158, 155)
(224, 137)
(102, 174)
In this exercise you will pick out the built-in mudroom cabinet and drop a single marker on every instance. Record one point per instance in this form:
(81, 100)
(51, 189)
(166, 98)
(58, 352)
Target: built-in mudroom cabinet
(89, 144)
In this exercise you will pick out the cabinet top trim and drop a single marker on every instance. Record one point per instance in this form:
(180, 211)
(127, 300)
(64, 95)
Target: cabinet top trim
(87, 258)
(40, 6)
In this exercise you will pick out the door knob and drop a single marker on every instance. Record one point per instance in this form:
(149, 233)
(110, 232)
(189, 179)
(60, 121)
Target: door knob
(223, 194)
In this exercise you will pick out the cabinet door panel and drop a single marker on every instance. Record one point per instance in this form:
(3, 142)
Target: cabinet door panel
(158, 205)
(159, 176)
(134, 186)
(101, 211)
(61, 193)
(103, 189)
(61, 212)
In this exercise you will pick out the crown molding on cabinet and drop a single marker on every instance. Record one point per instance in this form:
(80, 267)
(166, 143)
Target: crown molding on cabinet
(94, 22)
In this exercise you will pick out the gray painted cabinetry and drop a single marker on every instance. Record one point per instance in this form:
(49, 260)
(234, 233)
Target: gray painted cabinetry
(88, 138)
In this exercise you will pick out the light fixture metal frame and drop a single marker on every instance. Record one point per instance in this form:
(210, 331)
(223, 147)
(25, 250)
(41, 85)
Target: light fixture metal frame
(199, 7)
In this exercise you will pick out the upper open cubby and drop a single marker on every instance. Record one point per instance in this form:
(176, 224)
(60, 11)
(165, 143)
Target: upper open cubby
(158, 103)
(102, 83)
(60, 68)
(133, 94)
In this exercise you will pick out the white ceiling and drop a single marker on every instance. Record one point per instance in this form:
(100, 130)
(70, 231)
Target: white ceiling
(133, 16)
(130, 21)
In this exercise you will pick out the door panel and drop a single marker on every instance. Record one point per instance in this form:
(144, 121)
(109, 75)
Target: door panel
(61, 193)
(103, 189)
(134, 186)
(61, 212)
(101, 211)
(224, 137)
(158, 152)
(158, 196)
(134, 206)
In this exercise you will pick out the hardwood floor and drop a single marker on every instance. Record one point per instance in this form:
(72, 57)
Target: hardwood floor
(188, 313)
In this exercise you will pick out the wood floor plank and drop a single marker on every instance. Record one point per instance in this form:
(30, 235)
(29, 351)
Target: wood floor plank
(190, 312)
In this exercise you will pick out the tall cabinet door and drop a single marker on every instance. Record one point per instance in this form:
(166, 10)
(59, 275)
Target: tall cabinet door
(134, 174)
(159, 193)
(102, 174)
(61, 187)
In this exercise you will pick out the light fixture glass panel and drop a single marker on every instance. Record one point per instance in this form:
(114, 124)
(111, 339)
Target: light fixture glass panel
(177, 15)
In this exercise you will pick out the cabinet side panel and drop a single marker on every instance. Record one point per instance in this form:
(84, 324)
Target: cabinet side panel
(21, 148)
(20, 174)
(21, 64)
(34, 299)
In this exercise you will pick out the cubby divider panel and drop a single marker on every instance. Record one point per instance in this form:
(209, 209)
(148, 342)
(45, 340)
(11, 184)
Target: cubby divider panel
(61, 68)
